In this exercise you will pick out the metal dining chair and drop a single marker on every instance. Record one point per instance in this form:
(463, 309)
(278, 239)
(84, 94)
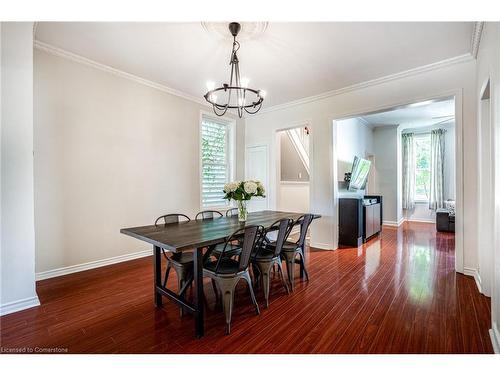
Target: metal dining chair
(226, 272)
(183, 262)
(290, 251)
(208, 214)
(266, 257)
(232, 250)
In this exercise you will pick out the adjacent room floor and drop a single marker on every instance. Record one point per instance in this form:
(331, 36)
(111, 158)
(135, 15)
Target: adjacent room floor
(396, 294)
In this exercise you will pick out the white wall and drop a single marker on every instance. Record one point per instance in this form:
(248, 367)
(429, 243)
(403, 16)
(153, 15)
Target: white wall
(455, 78)
(450, 163)
(109, 153)
(355, 138)
(294, 197)
(17, 217)
(385, 145)
(488, 66)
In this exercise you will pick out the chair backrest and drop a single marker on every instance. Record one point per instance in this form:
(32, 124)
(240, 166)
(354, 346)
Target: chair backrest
(232, 212)
(250, 235)
(208, 214)
(305, 221)
(249, 239)
(172, 218)
(284, 227)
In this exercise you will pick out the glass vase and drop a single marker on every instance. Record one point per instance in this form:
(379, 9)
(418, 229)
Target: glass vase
(242, 211)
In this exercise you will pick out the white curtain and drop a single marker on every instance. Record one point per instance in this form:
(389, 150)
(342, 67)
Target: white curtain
(436, 199)
(408, 171)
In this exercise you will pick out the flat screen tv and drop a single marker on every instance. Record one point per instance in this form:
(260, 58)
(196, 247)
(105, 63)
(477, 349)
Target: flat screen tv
(359, 173)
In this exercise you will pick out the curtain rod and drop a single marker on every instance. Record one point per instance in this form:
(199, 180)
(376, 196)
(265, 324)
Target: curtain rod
(424, 131)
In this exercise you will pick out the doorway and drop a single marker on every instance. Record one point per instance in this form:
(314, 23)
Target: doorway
(293, 169)
(376, 136)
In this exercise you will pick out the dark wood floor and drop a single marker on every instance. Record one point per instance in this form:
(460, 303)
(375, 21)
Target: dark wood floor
(397, 294)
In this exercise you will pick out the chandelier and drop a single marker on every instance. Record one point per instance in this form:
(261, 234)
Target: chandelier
(235, 95)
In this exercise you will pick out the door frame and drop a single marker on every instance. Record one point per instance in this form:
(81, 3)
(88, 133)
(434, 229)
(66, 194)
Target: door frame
(266, 148)
(484, 279)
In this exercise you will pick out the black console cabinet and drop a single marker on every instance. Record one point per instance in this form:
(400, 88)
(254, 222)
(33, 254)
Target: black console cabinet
(359, 219)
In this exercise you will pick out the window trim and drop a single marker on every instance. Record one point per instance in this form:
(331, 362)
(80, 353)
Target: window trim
(231, 142)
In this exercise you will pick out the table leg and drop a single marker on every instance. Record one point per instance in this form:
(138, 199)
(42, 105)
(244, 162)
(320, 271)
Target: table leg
(157, 275)
(198, 293)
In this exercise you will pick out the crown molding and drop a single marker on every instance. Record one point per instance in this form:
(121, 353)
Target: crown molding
(120, 73)
(377, 81)
(476, 38)
(477, 32)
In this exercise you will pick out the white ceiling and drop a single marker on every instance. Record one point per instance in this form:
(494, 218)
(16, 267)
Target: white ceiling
(288, 60)
(415, 115)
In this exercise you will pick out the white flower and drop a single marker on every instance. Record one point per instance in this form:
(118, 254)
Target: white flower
(250, 187)
(260, 186)
(232, 186)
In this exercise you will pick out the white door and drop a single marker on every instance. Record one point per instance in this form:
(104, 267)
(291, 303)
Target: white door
(256, 168)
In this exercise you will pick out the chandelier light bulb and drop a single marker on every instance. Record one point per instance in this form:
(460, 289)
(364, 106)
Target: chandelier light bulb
(241, 102)
(244, 82)
(262, 93)
(210, 85)
(213, 98)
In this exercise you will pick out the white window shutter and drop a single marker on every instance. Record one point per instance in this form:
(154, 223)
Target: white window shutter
(215, 161)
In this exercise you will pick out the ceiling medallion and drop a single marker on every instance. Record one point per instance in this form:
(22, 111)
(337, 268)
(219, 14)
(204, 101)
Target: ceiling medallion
(249, 30)
(236, 94)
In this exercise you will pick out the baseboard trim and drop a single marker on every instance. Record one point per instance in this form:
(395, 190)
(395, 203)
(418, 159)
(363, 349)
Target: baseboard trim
(422, 221)
(90, 265)
(22, 304)
(473, 272)
(495, 338)
(320, 245)
(390, 223)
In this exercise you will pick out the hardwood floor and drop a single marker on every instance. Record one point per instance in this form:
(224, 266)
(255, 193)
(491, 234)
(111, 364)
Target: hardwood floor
(396, 294)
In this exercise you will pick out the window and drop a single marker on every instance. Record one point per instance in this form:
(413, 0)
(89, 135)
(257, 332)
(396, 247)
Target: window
(216, 160)
(422, 167)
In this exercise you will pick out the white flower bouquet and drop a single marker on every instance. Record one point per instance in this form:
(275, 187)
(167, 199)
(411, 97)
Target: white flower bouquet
(241, 192)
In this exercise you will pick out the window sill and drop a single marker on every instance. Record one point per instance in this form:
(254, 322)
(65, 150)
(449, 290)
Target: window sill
(222, 209)
(294, 182)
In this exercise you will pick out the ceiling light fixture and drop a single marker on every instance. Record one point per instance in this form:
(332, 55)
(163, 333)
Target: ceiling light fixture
(237, 94)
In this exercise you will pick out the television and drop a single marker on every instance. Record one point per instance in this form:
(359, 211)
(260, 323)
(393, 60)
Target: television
(359, 173)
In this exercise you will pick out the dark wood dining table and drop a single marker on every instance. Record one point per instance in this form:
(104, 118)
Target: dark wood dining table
(196, 236)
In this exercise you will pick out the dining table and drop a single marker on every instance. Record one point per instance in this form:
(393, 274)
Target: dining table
(197, 236)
